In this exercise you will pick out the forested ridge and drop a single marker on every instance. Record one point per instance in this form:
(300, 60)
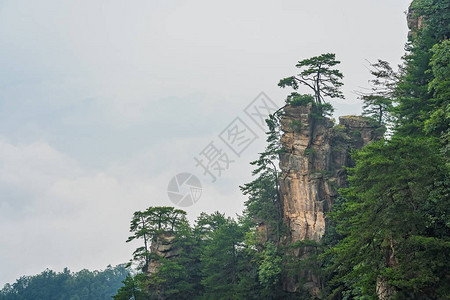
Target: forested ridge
(68, 285)
(387, 235)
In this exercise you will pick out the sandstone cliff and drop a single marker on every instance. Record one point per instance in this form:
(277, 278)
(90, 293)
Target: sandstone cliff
(162, 247)
(312, 170)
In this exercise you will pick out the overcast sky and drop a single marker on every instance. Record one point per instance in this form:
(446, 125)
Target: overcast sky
(103, 102)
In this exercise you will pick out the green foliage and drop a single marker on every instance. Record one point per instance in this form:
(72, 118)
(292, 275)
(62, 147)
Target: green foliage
(324, 110)
(393, 222)
(269, 270)
(309, 151)
(220, 259)
(377, 107)
(439, 121)
(378, 102)
(264, 204)
(320, 110)
(296, 99)
(440, 68)
(436, 15)
(395, 218)
(133, 288)
(175, 277)
(414, 104)
(213, 262)
(317, 74)
(148, 224)
(340, 131)
(50, 285)
(172, 280)
(296, 126)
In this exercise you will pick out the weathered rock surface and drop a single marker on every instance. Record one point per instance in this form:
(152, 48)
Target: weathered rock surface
(164, 247)
(312, 170)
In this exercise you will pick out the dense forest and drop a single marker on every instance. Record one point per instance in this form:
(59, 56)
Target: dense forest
(67, 285)
(387, 234)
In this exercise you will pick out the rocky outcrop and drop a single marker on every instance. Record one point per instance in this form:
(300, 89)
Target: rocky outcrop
(414, 21)
(162, 247)
(312, 170)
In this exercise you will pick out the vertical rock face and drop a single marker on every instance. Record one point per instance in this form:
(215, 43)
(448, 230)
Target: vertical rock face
(163, 247)
(312, 170)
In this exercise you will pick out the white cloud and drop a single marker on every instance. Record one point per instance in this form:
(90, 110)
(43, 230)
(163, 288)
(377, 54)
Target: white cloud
(70, 216)
(79, 218)
(33, 167)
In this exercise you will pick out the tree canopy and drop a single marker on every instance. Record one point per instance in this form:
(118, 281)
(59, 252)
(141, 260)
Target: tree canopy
(318, 75)
(50, 285)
